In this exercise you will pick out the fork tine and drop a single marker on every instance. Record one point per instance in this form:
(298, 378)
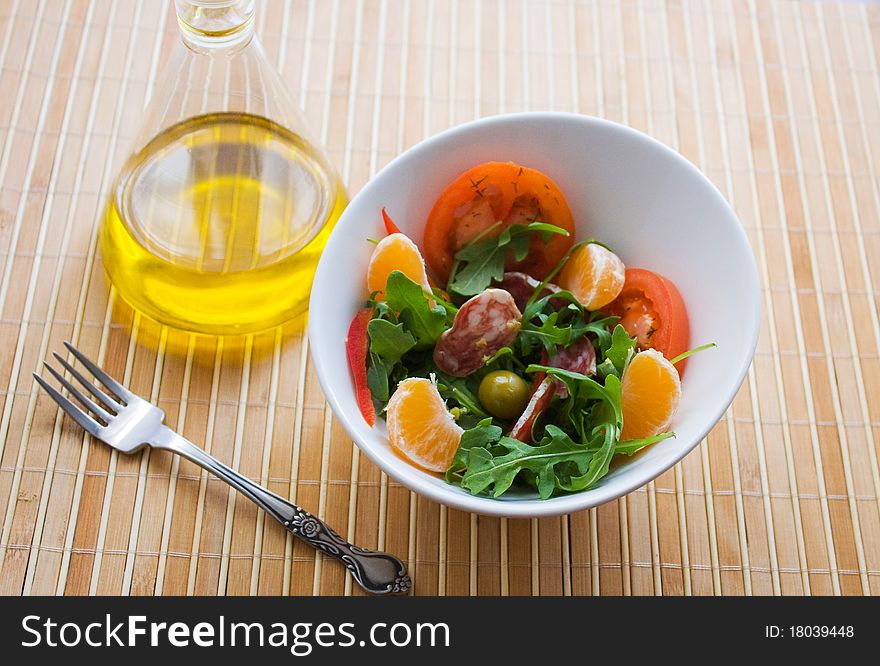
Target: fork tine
(100, 395)
(103, 377)
(85, 400)
(91, 426)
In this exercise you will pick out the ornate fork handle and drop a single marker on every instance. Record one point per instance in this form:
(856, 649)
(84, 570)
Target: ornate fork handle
(375, 571)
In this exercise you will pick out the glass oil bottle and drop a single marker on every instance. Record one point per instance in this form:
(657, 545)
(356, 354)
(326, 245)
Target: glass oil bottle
(218, 217)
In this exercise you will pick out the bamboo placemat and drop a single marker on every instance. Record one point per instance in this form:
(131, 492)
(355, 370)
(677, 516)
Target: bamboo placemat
(778, 102)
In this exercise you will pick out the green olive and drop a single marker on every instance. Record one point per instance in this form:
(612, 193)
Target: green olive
(504, 394)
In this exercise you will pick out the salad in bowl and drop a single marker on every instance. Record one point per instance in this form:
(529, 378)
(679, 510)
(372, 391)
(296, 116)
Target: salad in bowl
(618, 256)
(504, 352)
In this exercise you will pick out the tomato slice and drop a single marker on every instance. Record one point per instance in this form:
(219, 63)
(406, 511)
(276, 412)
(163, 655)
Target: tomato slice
(651, 309)
(492, 192)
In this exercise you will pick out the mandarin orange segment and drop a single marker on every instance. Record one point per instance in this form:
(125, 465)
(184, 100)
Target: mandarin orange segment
(395, 252)
(420, 427)
(650, 391)
(594, 274)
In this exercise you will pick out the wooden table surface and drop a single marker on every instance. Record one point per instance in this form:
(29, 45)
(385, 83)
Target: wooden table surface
(778, 102)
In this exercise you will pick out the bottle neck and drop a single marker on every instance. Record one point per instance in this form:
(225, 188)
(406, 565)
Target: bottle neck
(215, 24)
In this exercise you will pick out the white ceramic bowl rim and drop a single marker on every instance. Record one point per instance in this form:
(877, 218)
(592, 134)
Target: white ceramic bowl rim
(453, 496)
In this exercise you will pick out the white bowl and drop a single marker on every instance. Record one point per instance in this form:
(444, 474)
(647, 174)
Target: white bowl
(649, 204)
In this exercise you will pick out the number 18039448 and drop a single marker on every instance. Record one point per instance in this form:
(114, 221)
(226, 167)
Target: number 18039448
(809, 631)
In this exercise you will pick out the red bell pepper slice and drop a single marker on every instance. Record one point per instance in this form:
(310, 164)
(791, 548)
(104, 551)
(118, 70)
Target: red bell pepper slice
(390, 227)
(356, 346)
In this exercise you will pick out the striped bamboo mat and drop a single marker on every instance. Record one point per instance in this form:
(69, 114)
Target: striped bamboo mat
(778, 102)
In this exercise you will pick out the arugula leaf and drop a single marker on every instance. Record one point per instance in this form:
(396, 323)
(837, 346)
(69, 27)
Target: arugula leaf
(580, 387)
(621, 349)
(546, 333)
(606, 419)
(547, 324)
(602, 459)
(544, 228)
(481, 261)
(611, 400)
(691, 352)
(581, 408)
(484, 434)
(520, 242)
(392, 337)
(520, 247)
(599, 462)
(499, 472)
(377, 378)
(424, 321)
(534, 308)
(630, 446)
(381, 310)
(600, 325)
(390, 341)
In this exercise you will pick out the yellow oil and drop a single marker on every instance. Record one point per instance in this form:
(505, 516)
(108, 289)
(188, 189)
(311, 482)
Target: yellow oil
(217, 224)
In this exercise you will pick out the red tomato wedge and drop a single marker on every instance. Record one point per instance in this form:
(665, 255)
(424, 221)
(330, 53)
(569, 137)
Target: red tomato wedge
(651, 309)
(493, 192)
(356, 347)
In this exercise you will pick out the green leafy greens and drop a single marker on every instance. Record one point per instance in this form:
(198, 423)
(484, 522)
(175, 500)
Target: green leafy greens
(403, 330)
(582, 425)
(481, 261)
(422, 319)
(583, 428)
(486, 461)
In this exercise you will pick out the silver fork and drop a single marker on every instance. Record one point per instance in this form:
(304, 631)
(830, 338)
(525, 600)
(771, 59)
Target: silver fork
(127, 422)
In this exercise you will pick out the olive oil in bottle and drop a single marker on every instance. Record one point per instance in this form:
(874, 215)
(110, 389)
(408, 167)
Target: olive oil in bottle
(217, 220)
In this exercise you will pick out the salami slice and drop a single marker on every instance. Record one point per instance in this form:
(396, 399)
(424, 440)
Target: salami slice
(483, 325)
(579, 357)
(521, 286)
